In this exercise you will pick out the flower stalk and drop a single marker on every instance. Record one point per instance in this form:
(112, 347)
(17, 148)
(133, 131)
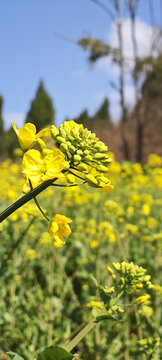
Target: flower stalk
(25, 198)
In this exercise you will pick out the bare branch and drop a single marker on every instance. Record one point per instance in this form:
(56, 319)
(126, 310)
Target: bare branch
(105, 8)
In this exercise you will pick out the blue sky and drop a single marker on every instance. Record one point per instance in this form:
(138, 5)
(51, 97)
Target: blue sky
(30, 51)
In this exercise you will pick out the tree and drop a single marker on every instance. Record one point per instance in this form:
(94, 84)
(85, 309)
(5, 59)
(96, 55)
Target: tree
(99, 49)
(83, 118)
(102, 116)
(41, 113)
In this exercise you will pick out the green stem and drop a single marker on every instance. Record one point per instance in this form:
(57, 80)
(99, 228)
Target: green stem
(24, 199)
(10, 253)
(80, 336)
(37, 203)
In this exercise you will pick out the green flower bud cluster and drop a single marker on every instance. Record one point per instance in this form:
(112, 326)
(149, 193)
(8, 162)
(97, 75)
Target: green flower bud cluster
(115, 310)
(82, 147)
(132, 277)
(148, 345)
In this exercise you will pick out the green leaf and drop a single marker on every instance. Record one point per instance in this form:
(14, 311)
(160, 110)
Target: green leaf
(14, 356)
(107, 317)
(54, 353)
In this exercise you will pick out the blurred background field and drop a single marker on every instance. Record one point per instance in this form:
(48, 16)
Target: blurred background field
(45, 290)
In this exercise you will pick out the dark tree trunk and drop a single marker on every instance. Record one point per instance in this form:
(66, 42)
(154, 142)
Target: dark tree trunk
(140, 132)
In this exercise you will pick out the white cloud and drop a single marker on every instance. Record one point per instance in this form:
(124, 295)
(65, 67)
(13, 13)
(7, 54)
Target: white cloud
(144, 37)
(16, 117)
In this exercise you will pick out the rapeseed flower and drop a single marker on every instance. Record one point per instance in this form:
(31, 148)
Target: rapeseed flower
(27, 135)
(30, 255)
(38, 168)
(59, 229)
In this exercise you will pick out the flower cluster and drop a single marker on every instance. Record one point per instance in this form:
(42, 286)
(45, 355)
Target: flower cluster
(80, 156)
(132, 278)
(85, 153)
(147, 346)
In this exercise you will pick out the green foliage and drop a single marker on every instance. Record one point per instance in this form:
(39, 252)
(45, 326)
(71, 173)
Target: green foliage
(83, 118)
(54, 353)
(44, 300)
(14, 356)
(102, 116)
(41, 113)
(97, 48)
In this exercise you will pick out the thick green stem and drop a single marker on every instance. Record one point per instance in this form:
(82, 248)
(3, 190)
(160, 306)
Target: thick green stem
(24, 199)
(80, 336)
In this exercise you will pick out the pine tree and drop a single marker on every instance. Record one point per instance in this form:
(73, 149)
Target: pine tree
(42, 112)
(83, 118)
(102, 116)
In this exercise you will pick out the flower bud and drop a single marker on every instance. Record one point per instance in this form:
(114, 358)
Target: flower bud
(54, 132)
(64, 147)
(99, 156)
(63, 133)
(77, 158)
(70, 178)
(79, 152)
(86, 152)
(102, 168)
(110, 271)
(90, 178)
(88, 158)
(82, 167)
(60, 139)
(66, 165)
(72, 149)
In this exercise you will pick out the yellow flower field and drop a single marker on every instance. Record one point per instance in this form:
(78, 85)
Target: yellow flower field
(111, 259)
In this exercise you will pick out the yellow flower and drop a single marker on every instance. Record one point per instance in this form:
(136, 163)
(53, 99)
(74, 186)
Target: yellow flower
(27, 135)
(146, 209)
(30, 255)
(97, 305)
(142, 299)
(152, 223)
(38, 169)
(59, 229)
(94, 244)
(54, 163)
(33, 166)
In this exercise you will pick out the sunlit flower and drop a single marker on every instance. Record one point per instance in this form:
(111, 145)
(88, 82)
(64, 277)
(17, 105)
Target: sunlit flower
(27, 135)
(59, 229)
